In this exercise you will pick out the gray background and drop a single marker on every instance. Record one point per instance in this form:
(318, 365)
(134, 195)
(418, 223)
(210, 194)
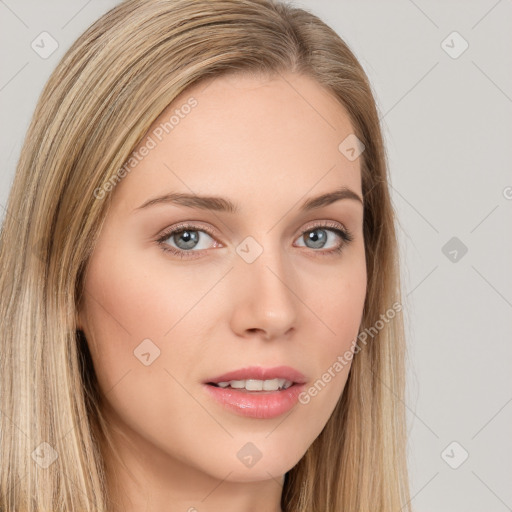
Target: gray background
(447, 123)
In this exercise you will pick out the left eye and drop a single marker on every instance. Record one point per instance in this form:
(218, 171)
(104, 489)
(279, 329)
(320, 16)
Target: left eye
(187, 238)
(318, 236)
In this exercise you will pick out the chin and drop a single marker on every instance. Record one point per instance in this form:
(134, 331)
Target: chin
(273, 465)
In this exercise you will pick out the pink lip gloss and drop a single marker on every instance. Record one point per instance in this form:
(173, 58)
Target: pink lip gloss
(256, 404)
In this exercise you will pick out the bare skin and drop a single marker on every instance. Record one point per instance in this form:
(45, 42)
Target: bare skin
(267, 148)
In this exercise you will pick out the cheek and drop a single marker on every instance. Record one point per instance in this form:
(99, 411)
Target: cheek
(130, 299)
(337, 302)
(338, 309)
(129, 308)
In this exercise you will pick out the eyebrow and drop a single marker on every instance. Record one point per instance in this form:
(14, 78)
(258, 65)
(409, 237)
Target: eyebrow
(221, 204)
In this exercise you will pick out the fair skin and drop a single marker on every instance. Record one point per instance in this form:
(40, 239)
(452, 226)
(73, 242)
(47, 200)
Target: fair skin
(267, 145)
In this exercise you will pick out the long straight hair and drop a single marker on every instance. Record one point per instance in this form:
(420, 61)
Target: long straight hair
(98, 104)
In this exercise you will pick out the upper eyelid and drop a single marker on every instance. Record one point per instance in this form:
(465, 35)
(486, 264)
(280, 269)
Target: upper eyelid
(183, 226)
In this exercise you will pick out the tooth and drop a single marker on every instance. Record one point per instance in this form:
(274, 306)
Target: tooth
(256, 384)
(253, 385)
(271, 385)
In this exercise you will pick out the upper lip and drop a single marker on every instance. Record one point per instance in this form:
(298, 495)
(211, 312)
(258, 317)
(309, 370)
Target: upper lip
(260, 373)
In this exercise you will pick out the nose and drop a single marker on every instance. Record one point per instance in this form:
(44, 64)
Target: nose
(264, 300)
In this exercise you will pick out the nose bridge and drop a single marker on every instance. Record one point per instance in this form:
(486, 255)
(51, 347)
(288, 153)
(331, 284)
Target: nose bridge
(266, 262)
(266, 299)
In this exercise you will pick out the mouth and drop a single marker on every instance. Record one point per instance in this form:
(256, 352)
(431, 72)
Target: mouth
(257, 392)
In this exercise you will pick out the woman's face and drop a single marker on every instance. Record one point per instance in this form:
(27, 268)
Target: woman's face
(261, 290)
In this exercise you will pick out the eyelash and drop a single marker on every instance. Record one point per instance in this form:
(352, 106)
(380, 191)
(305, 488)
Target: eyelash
(344, 234)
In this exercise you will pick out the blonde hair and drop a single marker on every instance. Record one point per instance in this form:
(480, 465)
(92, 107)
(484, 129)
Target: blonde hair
(98, 104)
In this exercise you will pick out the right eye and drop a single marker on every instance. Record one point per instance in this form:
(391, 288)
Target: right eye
(185, 237)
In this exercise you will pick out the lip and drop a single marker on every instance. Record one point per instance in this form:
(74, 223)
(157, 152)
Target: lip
(260, 373)
(258, 404)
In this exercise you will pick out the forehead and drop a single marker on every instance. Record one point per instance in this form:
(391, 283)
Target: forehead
(246, 137)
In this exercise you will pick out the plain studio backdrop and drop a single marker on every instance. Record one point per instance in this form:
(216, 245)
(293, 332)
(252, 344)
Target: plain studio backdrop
(441, 74)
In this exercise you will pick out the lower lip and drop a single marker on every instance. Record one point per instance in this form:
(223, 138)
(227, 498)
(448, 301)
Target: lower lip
(257, 404)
